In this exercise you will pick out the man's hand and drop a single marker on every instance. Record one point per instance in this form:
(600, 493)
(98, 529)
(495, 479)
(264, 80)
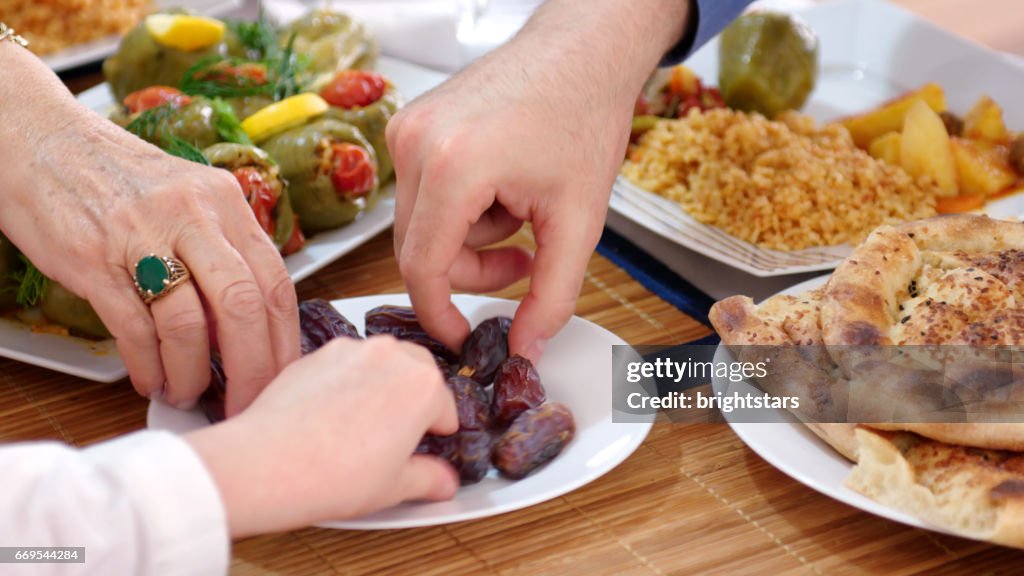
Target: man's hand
(533, 132)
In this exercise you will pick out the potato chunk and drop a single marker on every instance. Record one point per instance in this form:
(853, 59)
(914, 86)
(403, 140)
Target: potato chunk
(985, 122)
(983, 169)
(925, 148)
(890, 116)
(886, 148)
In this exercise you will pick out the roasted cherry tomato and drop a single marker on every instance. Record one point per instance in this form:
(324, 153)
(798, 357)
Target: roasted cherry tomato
(260, 195)
(353, 171)
(253, 72)
(354, 88)
(147, 98)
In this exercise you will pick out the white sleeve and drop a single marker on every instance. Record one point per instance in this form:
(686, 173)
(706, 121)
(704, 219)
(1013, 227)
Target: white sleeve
(142, 504)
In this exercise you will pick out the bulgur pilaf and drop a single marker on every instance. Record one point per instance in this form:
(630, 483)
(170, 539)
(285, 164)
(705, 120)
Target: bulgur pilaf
(52, 25)
(785, 184)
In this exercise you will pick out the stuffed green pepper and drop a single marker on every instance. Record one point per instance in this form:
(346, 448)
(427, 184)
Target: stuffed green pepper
(331, 42)
(367, 101)
(264, 189)
(10, 268)
(160, 114)
(57, 306)
(331, 171)
(157, 52)
(60, 306)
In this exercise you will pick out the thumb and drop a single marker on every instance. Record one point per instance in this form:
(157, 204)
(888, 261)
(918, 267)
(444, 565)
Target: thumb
(427, 477)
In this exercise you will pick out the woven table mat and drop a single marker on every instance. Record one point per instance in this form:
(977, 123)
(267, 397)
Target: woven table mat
(692, 499)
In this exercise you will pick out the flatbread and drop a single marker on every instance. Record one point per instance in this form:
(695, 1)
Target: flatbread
(976, 493)
(772, 332)
(839, 436)
(954, 280)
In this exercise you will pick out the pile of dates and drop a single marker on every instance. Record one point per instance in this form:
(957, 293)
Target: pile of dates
(504, 420)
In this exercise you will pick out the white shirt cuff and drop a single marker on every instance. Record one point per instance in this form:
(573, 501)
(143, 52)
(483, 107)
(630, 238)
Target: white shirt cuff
(180, 508)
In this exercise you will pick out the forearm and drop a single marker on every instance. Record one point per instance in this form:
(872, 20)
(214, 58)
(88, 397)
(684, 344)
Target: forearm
(614, 44)
(34, 104)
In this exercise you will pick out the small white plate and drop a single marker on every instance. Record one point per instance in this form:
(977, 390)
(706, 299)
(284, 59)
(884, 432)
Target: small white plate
(798, 452)
(96, 50)
(100, 361)
(870, 52)
(575, 370)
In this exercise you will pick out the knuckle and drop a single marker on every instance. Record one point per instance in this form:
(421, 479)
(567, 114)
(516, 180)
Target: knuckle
(184, 326)
(405, 132)
(135, 327)
(281, 298)
(410, 264)
(382, 343)
(391, 131)
(241, 300)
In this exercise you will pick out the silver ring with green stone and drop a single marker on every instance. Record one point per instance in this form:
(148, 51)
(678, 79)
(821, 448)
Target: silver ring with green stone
(156, 276)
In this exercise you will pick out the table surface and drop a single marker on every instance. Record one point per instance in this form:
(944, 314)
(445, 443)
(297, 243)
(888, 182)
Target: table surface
(692, 499)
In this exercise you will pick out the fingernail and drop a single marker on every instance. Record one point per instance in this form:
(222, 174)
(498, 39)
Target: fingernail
(185, 404)
(535, 350)
(157, 395)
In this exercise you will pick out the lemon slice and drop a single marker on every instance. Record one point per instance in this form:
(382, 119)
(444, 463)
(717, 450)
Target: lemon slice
(283, 115)
(183, 31)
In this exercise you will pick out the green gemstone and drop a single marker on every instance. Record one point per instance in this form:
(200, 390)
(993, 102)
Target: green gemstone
(152, 275)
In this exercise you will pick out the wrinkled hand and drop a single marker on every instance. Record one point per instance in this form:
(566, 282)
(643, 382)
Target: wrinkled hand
(90, 200)
(513, 138)
(333, 438)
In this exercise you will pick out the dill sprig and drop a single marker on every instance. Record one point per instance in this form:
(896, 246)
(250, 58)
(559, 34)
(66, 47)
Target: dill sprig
(31, 284)
(202, 79)
(151, 125)
(227, 124)
(176, 146)
(258, 38)
(290, 66)
(285, 75)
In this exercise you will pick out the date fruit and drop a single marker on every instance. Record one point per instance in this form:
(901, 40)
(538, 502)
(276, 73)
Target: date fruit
(485, 349)
(474, 459)
(401, 322)
(468, 451)
(533, 439)
(446, 447)
(212, 400)
(319, 323)
(470, 403)
(517, 388)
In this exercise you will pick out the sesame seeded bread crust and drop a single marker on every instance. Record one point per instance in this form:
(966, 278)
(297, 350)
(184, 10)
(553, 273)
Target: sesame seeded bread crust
(950, 280)
(954, 280)
(784, 331)
(974, 492)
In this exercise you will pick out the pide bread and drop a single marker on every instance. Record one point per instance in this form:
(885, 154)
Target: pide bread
(953, 281)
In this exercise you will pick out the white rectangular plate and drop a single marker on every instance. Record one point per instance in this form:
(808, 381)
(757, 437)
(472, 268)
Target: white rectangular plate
(96, 50)
(100, 361)
(870, 52)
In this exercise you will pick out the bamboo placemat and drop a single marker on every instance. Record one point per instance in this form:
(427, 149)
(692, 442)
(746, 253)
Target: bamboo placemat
(692, 499)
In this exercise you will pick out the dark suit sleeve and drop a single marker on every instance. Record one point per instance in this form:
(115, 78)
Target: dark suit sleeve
(706, 19)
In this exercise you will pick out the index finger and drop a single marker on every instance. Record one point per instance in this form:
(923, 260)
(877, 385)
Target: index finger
(565, 241)
(434, 237)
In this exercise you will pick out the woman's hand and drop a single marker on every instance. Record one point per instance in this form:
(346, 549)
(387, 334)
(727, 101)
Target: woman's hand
(533, 132)
(85, 200)
(333, 438)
